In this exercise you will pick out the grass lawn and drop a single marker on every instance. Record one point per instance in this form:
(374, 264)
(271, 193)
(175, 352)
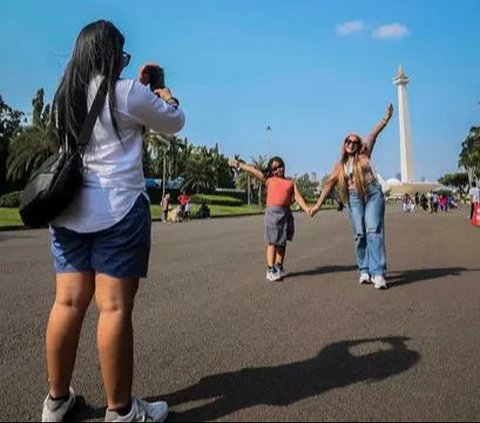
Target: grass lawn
(10, 217)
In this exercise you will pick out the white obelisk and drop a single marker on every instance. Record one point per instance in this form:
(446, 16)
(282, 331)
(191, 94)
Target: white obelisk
(406, 160)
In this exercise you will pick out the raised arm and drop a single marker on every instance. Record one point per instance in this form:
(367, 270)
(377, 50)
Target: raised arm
(299, 199)
(372, 137)
(247, 168)
(326, 190)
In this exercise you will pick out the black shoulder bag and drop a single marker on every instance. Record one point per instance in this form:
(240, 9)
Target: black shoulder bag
(53, 186)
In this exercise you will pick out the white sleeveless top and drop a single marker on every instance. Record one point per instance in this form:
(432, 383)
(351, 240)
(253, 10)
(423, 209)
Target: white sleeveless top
(113, 173)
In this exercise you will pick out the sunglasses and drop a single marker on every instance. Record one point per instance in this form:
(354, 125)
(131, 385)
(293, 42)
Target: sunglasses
(274, 169)
(126, 59)
(352, 142)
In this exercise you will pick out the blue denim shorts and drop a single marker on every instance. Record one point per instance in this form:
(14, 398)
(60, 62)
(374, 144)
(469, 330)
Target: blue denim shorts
(121, 251)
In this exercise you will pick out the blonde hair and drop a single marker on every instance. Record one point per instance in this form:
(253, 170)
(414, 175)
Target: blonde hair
(339, 177)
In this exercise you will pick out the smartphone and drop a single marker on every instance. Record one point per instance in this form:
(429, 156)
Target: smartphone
(157, 78)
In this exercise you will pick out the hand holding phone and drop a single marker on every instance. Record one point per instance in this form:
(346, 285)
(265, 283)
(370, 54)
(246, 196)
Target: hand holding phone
(157, 78)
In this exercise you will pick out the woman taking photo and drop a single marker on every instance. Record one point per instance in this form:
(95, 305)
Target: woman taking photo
(359, 188)
(101, 242)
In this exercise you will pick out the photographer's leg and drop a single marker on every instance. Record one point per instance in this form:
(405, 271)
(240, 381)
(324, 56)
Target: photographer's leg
(115, 300)
(73, 296)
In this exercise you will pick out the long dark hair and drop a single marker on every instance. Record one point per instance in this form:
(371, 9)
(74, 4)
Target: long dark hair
(360, 159)
(98, 51)
(267, 172)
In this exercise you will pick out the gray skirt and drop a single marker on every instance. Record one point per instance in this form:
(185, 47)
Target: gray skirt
(279, 226)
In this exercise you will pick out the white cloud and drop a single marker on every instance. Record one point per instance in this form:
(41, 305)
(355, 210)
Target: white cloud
(392, 31)
(349, 28)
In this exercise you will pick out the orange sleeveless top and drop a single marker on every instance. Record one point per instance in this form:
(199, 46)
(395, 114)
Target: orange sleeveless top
(280, 192)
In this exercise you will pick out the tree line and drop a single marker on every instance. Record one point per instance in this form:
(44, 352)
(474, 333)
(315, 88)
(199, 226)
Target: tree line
(25, 145)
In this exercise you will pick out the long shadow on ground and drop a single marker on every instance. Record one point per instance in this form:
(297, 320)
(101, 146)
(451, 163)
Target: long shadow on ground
(322, 270)
(396, 279)
(334, 367)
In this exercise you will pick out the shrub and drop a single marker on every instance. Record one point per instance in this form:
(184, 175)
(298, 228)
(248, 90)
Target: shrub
(216, 200)
(11, 199)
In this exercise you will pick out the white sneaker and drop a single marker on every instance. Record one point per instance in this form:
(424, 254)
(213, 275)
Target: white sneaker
(54, 411)
(379, 282)
(142, 411)
(281, 272)
(364, 278)
(272, 275)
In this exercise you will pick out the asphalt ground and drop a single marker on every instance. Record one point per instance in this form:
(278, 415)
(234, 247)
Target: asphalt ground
(219, 342)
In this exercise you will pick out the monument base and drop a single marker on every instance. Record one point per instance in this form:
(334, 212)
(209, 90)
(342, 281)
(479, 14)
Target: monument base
(398, 190)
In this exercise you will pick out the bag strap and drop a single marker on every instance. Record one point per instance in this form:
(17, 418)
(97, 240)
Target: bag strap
(93, 114)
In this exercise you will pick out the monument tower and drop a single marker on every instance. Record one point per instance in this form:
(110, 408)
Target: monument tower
(406, 160)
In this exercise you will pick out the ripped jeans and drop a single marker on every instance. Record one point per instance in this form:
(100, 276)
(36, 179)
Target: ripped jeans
(367, 219)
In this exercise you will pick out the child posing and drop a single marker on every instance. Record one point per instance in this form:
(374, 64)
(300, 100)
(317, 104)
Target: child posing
(279, 224)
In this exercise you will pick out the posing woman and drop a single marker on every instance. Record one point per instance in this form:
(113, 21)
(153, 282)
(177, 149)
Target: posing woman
(279, 224)
(101, 243)
(359, 188)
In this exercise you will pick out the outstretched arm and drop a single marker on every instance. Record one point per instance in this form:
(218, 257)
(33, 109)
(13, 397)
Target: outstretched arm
(372, 137)
(299, 199)
(247, 168)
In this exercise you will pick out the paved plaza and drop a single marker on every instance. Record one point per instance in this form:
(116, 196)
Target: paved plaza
(218, 342)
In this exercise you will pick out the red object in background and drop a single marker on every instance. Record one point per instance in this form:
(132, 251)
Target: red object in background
(476, 215)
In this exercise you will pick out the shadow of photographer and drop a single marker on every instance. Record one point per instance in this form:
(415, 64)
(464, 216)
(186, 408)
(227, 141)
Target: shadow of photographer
(334, 367)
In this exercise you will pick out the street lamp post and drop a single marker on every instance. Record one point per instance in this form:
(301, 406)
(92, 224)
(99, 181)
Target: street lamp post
(269, 140)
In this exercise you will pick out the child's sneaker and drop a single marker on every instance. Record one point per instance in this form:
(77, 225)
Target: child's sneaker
(364, 278)
(142, 411)
(272, 275)
(54, 411)
(281, 271)
(379, 282)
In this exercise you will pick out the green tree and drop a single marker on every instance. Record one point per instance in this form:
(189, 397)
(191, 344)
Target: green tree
(37, 141)
(470, 154)
(199, 174)
(306, 187)
(10, 126)
(457, 180)
(260, 162)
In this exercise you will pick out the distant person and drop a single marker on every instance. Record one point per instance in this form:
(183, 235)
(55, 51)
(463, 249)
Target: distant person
(424, 202)
(101, 242)
(183, 200)
(188, 209)
(417, 201)
(356, 180)
(443, 201)
(407, 203)
(474, 195)
(435, 202)
(175, 214)
(204, 211)
(279, 223)
(165, 204)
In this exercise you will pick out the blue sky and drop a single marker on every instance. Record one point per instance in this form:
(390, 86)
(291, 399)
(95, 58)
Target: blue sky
(313, 70)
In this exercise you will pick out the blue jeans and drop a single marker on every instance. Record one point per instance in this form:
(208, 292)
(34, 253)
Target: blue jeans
(367, 218)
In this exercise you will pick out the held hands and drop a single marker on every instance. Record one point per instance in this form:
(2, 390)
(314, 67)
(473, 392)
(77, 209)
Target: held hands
(313, 211)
